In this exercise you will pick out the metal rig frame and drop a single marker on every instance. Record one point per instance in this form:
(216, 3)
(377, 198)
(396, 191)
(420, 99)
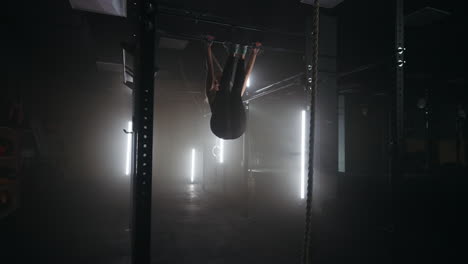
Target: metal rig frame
(146, 46)
(145, 68)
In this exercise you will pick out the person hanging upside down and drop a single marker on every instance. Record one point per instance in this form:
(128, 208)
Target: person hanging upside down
(224, 90)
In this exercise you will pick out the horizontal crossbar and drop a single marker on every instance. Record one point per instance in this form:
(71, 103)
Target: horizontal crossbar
(220, 21)
(202, 38)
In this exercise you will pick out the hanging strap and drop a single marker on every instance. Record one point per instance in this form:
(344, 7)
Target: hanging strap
(307, 254)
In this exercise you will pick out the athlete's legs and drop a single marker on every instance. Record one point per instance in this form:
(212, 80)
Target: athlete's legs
(237, 111)
(228, 120)
(220, 112)
(225, 83)
(239, 79)
(210, 85)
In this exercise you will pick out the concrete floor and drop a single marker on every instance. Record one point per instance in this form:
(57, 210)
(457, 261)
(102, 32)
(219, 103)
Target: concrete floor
(203, 227)
(73, 220)
(65, 219)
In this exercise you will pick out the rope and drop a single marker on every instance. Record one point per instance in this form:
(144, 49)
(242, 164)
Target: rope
(306, 258)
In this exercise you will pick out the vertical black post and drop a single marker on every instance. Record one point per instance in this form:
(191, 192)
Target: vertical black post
(400, 84)
(458, 138)
(427, 130)
(311, 66)
(397, 118)
(143, 131)
(397, 139)
(246, 162)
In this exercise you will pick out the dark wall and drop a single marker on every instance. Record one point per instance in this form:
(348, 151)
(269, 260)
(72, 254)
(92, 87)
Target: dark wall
(326, 140)
(366, 45)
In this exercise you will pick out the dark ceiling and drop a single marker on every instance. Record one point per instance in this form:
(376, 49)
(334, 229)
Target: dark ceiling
(53, 32)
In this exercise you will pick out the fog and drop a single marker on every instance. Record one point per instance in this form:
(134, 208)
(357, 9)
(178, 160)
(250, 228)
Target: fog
(235, 201)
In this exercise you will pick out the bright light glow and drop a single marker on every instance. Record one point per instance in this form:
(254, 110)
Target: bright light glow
(128, 163)
(221, 151)
(192, 171)
(303, 143)
(248, 82)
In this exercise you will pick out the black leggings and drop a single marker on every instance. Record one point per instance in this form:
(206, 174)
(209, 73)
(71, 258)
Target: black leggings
(228, 120)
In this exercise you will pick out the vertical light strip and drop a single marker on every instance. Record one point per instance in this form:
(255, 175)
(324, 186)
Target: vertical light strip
(303, 143)
(248, 82)
(192, 172)
(221, 151)
(128, 163)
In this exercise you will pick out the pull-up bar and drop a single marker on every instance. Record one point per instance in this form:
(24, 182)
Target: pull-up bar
(201, 38)
(215, 20)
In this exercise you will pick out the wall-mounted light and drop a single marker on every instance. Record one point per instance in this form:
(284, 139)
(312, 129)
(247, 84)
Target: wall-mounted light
(128, 163)
(192, 169)
(303, 144)
(221, 151)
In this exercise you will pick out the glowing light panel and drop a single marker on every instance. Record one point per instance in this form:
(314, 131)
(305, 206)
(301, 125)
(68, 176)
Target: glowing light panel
(248, 82)
(221, 151)
(303, 143)
(192, 171)
(128, 163)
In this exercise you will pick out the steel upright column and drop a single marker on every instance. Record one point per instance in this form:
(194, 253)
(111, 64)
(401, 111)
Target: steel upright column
(311, 65)
(400, 78)
(397, 126)
(398, 115)
(143, 130)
